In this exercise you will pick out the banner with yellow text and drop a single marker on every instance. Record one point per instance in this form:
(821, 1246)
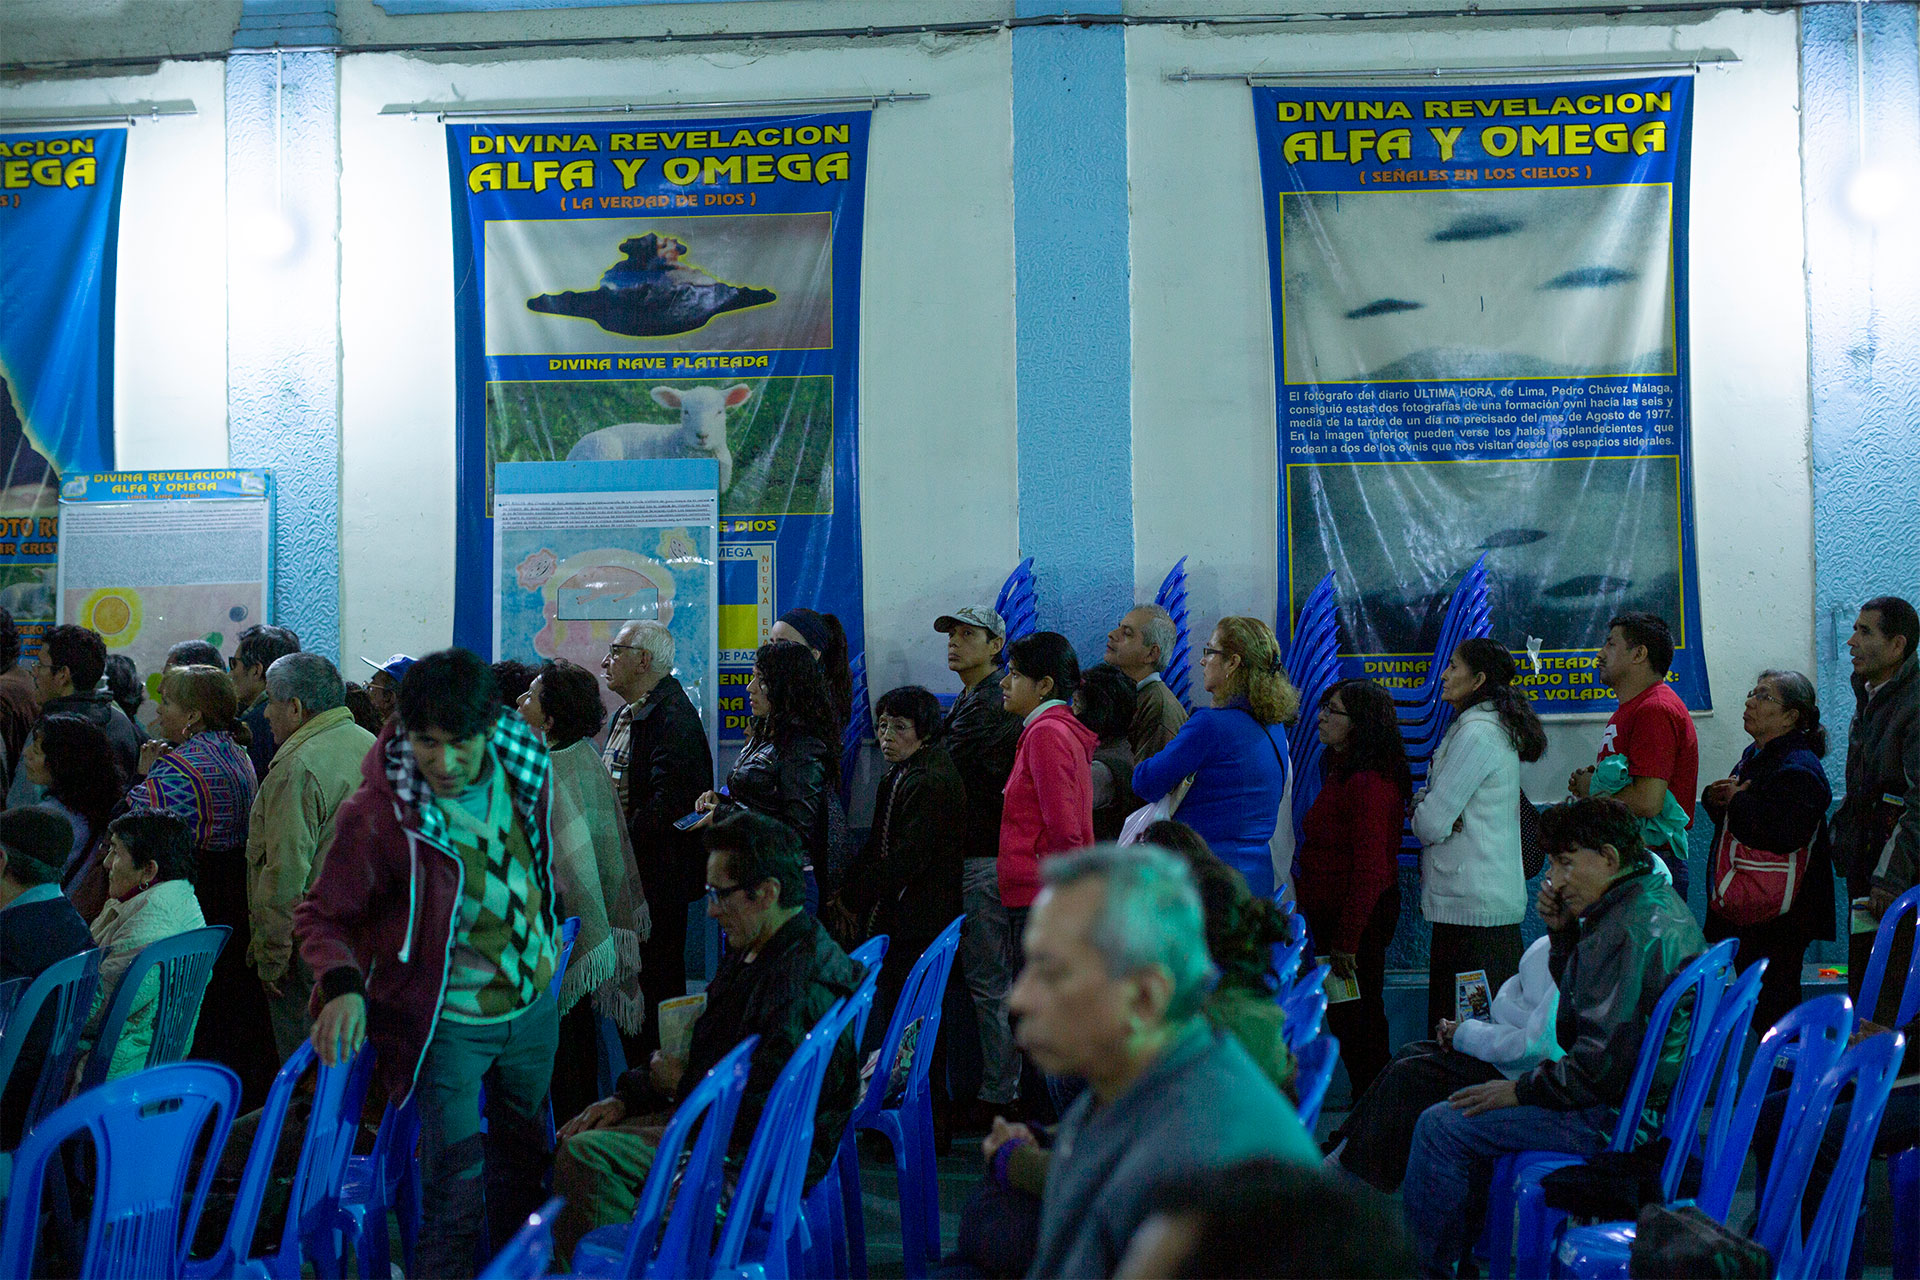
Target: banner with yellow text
(1480, 318)
(685, 289)
(59, 245)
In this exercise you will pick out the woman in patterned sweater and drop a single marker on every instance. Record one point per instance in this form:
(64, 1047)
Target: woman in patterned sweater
(197, 769)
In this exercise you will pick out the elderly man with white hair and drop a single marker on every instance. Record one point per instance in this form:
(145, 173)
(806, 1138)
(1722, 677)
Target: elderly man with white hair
(1117, 972)
(1141, 645)
(315, 767)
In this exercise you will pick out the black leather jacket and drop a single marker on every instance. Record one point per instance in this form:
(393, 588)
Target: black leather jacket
(1876, 834)
(788, 781)
(982, 736)
(908, 876)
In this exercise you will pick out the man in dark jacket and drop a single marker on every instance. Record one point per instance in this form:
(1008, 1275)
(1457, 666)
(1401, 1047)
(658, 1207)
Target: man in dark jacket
(259, 648)
(66, 676)
(38, 926)
(982, 736)
(1620, 934)
(431, 929)
(658, 755)
(781, 975)
(1876, 833)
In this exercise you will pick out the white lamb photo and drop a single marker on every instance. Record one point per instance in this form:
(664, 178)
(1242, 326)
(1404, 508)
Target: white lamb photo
(701, 431)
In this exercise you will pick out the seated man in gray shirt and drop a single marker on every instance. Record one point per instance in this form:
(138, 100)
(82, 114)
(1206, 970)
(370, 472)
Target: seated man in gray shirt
(1117, 971)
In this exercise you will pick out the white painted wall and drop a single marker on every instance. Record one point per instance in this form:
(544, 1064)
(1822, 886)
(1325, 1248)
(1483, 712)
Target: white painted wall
(170, 345)
(937, 380)
(1205, 481)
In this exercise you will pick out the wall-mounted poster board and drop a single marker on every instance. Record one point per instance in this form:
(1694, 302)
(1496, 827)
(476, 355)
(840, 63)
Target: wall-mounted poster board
(583, 548)
(151, 558)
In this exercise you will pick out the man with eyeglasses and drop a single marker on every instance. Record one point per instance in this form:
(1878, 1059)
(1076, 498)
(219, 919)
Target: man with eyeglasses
(780, 975)
(658, 755)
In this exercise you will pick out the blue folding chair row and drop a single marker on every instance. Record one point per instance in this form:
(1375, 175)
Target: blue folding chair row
(1178, 665)
(64, 993)
(1018, 603)
(1305, 1008)
(1313, 1072)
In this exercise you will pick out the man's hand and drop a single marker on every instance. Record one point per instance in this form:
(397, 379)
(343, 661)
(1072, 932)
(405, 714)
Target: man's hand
(340, 1029)
(1443, 1032)
(664, 1071)
(1492, 1096)
(1003, 1132)
(1552, 906)
(1580, 781)
(603, 1114)
(707, 802)
(1343, 966)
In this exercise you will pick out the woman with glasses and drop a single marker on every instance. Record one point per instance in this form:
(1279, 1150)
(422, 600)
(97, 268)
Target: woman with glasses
(1235, 752)
(1770, 882)
(1349, 880)
(788, 769)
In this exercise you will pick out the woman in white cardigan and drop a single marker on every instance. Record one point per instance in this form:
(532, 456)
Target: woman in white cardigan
(1472, 887)
(150, 865)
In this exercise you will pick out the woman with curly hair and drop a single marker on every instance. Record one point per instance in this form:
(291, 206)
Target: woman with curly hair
(1235, 752)
(1349, 882)
(826, 639)
(789, 767)
(73, 760)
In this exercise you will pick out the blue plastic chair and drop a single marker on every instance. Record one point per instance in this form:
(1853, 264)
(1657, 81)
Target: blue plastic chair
(184, 963)
(1903, 1172)
(1516, 1203)
(10, 993)
(385, 1181)
(1818, 1031)
(764, 1219)
(627, 1252)
(907, 1126)
(1906, 904)
(824, 1213)
(525, 1257)
(1313, 1068)
(1305, 1008)
(1870, 1067)
(314, 1222)
(146, 1129)
(64, 990)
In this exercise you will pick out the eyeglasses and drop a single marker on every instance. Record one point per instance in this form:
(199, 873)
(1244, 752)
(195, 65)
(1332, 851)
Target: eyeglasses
(714, 895)
(1762, 695)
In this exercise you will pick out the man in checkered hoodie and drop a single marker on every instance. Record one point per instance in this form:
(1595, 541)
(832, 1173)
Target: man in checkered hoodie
(433, 931)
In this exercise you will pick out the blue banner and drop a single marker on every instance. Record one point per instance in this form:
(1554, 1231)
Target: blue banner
(1480, 319)
(684, 289)
(59, 244)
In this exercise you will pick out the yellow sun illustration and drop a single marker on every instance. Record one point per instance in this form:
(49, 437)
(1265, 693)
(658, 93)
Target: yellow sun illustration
(115, 613)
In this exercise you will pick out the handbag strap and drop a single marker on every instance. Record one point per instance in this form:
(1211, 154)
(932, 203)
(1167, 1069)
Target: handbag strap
(1278, 758)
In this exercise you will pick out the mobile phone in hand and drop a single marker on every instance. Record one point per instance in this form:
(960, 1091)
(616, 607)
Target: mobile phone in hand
(686, 823)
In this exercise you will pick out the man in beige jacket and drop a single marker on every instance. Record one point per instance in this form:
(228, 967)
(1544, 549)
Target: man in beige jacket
(316, 767)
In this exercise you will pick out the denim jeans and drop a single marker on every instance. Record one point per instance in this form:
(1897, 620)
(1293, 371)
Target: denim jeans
(1445, 1190)
(469, 1180)
(986, 959)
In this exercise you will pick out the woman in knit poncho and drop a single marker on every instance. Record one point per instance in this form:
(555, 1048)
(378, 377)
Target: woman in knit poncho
(596, 876)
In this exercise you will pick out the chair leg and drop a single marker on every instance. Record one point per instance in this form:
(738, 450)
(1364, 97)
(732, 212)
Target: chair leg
(1497, 1239)
(1903, 1172)
(1536, 1225)
(855, 1211)
(917, 1137)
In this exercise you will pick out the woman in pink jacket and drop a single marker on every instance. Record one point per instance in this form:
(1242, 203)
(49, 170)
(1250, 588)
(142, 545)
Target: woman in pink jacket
(1049, 795)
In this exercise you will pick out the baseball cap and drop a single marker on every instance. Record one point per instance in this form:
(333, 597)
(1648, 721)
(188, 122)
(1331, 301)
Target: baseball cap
(396, 666)
(973, 615)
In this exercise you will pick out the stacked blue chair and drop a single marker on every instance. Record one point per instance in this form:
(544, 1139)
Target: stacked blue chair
(1313, 1068)
(1516, 1202)
(315, 1230)
(183, 962)
(1305, 1007)
(64, 990)
(859, 730)
(823, 1206)
(1313, 667)
(1018, 603)
(147, 1130)
(1816, 1032)
(1423, 714)
(1906, 904)
(527, 1254)
(670, 1243)
(385, 1181)
(1172, 597)
(765, 1229)
(907, 1124)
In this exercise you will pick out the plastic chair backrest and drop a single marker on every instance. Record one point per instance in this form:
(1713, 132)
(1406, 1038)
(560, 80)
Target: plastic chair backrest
(1819, 1029)
(869, 955)
(10, 993)
(1305, 1009)
(525, 1257)
(1313, 1067)
(338, 1093)
(569, 930)
(1706, 979)
(1906, 904)
(712, 1104)
(65, 989)
(184, 963)
(1870, 1067)
(1297, 998)
(1712, 1073)
(146, 1128)
(920, 1001)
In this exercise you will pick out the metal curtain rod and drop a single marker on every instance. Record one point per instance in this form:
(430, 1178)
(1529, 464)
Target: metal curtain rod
(443, 112)
(98, 117)
(1184, 76)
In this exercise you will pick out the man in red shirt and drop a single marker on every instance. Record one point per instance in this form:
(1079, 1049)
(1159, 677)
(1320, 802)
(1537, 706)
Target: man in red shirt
(1651, 728)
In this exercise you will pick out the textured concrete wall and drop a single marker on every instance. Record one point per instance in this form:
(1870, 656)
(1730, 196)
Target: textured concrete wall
(1863, 294)
(283, 326)
(1070, 213)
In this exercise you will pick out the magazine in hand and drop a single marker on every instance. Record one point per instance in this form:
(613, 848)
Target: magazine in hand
(1472, 997)
(676, 1023)
(1339, 990)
